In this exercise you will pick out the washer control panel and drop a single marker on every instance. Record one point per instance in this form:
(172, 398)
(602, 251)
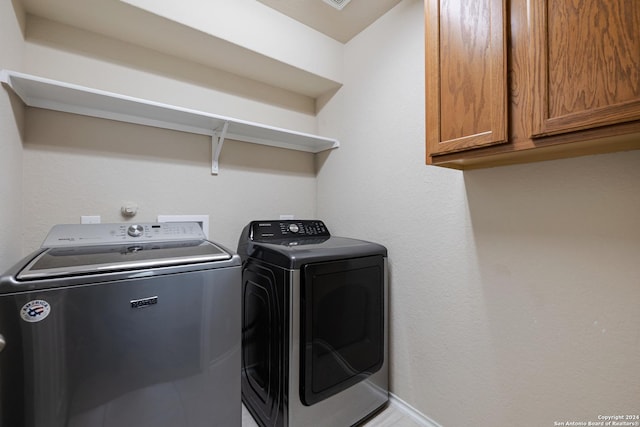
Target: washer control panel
(278, 230)
(105, 234)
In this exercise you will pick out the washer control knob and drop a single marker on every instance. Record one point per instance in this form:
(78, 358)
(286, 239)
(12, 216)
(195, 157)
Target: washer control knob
(294, 228)
(135, 230)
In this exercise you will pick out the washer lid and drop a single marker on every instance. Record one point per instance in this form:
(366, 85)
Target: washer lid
(78, 260)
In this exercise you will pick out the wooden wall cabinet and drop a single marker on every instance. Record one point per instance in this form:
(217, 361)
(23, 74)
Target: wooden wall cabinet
(526, 80)
(587, 60)
(466, 74)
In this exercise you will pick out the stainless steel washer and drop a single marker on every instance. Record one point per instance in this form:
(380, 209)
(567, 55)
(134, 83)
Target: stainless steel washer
(121, 325)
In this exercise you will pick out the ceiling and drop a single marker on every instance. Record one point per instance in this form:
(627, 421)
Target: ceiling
(341, 25)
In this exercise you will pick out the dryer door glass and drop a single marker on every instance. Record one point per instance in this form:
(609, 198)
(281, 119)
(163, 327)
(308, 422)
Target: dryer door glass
(342, 330)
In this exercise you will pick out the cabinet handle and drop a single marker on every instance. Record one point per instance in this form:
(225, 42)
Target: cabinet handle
(2, 343)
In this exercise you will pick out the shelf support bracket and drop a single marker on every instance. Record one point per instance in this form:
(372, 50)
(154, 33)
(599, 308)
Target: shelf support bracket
(217, 139)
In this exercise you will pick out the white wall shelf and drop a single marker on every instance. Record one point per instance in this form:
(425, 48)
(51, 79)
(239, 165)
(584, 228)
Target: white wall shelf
(60, 96)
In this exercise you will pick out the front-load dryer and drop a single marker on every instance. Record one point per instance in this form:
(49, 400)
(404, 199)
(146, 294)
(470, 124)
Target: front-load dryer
(314, 325)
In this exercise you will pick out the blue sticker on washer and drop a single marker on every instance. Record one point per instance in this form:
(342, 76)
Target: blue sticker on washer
(35, 311)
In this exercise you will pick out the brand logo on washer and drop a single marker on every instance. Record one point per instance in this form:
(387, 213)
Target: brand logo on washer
(35, 311)
(144, 302)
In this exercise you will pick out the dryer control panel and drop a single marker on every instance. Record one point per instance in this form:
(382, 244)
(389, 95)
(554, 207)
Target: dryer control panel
(279, 230)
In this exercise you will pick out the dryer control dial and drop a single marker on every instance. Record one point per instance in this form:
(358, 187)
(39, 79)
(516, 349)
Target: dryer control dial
(135, 230)
(294, 228)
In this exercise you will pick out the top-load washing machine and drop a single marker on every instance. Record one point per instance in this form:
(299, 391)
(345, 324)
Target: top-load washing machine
(121, 325)
(314, 325)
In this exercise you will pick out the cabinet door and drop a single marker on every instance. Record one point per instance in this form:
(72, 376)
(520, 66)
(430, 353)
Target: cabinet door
(466, 74)
(587, 59)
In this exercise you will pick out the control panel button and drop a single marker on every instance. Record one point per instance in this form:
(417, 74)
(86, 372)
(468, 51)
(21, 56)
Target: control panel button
(294, 228)
(135, 230)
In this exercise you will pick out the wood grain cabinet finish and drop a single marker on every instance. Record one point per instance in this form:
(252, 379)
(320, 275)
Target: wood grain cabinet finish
(514, 81)
(466, 74)
(587, 59)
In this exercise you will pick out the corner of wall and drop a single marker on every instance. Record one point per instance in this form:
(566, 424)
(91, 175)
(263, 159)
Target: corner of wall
(12, 21)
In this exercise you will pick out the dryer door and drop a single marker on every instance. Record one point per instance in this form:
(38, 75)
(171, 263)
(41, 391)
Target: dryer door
(342, 325)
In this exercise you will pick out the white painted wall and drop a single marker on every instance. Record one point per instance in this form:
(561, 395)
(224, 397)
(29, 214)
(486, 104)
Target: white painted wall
(11, 53)
(76, 56)
(514, 290)
(83, 166)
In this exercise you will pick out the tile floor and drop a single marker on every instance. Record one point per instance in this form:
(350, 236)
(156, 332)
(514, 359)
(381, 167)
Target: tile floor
(391, 416)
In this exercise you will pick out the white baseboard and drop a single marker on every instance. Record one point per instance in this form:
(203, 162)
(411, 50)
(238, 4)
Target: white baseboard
(411, 412)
